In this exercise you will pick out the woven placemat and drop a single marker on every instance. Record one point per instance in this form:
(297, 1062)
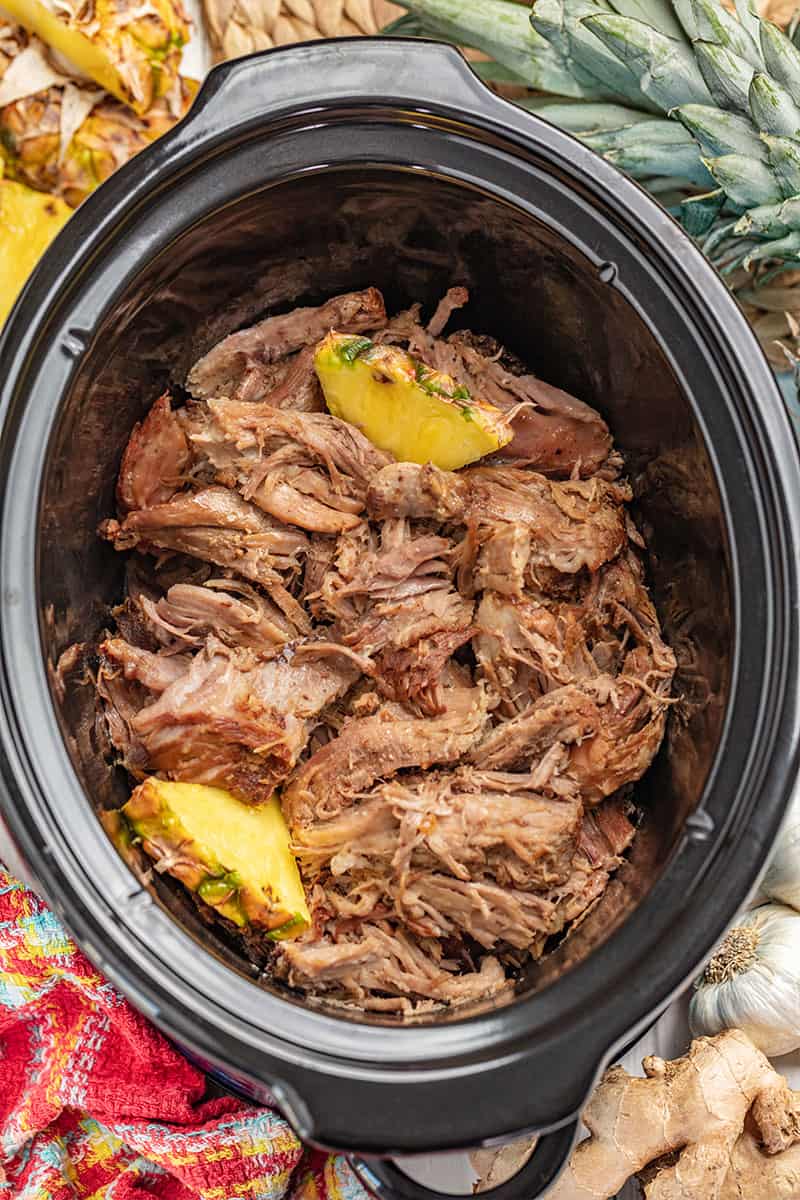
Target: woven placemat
(237, 27)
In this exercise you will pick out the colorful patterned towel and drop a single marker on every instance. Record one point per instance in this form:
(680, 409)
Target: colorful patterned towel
(95, 1103)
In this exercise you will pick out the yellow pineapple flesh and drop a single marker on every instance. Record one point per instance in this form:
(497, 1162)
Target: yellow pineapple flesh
(236, 857)
(416, 413)
(62, 135)
(132, 51)
(29, 221)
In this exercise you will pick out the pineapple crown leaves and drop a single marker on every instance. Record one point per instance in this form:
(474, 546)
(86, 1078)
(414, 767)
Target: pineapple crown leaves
(664, 89)
(733, 83)
(501, 29)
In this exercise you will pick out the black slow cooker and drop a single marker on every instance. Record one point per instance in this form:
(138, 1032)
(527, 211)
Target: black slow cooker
(299, 174)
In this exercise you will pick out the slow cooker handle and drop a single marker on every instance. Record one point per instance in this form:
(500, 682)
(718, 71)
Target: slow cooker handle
(287, 78)
(385, 1180)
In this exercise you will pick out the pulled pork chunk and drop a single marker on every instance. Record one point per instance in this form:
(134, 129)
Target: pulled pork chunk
(412, 675)
(232, 722)
(605, 834)
(290, 383)
(217, 525)
(613, 729)
(232, 360)
(421, 492)
(455, 677)
(503, 561)
(306, 469)
(565, 717)
(381, 967)
(593, 676)
(155, 672)
(155, 461)
(370, 748)
(573, 525)
(440, 906)
(396, 602)
(453, 299)
(467, 823)
(120, 696)
(232, 610)
(569, 525)
(392, 624)
(629, 731)
(525, 648)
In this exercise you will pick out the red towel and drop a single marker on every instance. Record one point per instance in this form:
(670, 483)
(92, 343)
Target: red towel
(94, 1102)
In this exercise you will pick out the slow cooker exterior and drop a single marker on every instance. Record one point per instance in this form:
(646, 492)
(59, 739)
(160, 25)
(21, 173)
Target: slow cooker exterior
(375, 1088)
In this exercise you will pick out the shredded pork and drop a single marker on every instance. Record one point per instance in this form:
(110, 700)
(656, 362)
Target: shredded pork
(454, 677)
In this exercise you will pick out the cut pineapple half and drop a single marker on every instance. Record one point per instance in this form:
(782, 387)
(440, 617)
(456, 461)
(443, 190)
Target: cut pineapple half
(403, 406)
(28, 223)
(133, 51)
(234, 856)
(35, 151)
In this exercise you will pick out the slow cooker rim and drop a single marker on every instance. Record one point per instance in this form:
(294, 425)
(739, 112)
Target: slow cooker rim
(482, 1018)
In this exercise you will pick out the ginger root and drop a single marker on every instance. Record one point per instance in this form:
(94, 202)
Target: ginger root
(718, 1124)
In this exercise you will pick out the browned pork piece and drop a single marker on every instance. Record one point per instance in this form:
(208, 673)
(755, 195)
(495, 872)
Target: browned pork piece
(290, 383)
(225, 719)
(570, 524)
(454, 677)
(420, 492)
(237, 363)
(555, 433)
(605, 835)
(155, 460)
(370, 748)
(216, 525)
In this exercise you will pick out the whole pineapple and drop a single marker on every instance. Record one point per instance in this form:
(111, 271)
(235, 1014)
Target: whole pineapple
(683, 92)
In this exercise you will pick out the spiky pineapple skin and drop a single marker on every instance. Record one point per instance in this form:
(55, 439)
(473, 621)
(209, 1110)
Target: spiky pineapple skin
(109, 137)
(131, 50)
(30, 137)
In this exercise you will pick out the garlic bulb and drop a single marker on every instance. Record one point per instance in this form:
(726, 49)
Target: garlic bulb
(753, 981)
(782, 879)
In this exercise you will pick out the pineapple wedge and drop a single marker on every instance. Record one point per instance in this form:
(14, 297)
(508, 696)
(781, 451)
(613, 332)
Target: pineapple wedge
(133, 51)
(417, 414)
(28, 223)
(234, 856)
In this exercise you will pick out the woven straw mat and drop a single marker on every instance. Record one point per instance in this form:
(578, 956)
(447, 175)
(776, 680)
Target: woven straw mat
(237, 27)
